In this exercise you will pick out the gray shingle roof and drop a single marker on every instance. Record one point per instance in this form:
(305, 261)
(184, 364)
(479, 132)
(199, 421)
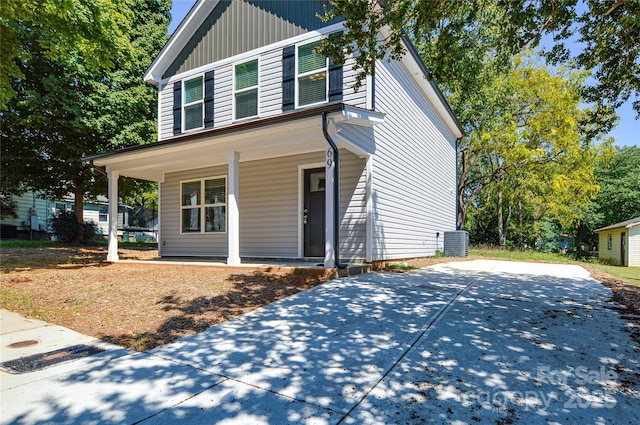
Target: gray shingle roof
(627, 223)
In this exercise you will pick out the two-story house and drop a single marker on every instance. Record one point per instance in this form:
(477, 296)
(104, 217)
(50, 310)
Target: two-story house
(265, 149)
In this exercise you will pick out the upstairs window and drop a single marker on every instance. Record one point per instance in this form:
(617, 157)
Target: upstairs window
(193, 104)
(311, 71)
(203, 206)
(245, 88)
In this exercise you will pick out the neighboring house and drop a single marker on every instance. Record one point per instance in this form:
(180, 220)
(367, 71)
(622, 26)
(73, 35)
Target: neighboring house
(35, 213)
(619, 244)
(266, 150)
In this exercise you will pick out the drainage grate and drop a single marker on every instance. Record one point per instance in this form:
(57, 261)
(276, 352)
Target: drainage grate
(45, 360)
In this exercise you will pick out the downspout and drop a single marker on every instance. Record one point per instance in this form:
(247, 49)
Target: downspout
(336, 192)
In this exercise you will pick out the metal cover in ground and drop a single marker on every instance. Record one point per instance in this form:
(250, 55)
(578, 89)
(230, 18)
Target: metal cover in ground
(45, 360)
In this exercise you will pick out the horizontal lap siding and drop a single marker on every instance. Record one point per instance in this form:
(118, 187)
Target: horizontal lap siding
(223, 96)
(270, 91)
(269, 205)
(269, 213)
(414, 169)
(353, 212)
(172, 242)
(349, 95)
(165, 99)
(634, 246)
(271, 83)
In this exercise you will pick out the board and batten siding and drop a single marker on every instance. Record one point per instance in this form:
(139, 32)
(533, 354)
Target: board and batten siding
(238, 26)
(269, 209)
(269, 92)
(414, 169)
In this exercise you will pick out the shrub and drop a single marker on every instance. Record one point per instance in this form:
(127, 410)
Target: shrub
(67, 229)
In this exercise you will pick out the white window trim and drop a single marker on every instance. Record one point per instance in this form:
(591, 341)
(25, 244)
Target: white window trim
(298, 76)
(203, 206)
(258, 87)
(610, 242)
(185, 104)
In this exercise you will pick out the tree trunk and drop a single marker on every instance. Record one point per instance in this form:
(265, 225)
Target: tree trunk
(501, 239)
(78, 208)
(520, 228)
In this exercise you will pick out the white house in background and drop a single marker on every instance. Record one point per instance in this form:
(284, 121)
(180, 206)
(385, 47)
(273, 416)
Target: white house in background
(266, 150)
(619, 243)
(30, 205)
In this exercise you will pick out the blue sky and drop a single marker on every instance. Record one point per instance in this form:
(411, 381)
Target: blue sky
(627, 133)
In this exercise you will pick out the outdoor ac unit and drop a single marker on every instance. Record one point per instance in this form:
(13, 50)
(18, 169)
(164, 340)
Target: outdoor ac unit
(456, 244)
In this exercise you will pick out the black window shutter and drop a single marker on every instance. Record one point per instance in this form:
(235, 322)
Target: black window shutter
(335, 77)
(335, 82)
(288, 78)
(208, 99)
(177, 108)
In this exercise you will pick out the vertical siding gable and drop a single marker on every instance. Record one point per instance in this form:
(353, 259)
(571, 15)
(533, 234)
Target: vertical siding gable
(238, 26)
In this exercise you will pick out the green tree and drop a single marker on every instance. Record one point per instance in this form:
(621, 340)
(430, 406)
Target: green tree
(96, 30)
(524, 157)
(454, 35)
(619, 196)
(65, 109)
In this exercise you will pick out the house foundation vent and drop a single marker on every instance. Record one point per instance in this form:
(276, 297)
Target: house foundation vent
(456, 244)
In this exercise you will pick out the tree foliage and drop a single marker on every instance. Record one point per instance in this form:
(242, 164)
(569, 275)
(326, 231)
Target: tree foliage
(96, 30)
(524, 157)
(619, 196)
(65, 107)
(456, 34)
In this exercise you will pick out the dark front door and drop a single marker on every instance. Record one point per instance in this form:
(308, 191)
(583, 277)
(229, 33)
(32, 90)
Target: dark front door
(313, 214)
(623, 249)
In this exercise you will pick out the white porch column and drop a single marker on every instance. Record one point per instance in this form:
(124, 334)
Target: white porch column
(113, 176)
(369, 206)
(329, 246)
(233, 212)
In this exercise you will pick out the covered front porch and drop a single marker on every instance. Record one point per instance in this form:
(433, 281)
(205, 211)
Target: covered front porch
(274, 165)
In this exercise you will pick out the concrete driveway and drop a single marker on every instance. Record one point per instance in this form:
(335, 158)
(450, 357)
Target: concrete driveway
(470, 342)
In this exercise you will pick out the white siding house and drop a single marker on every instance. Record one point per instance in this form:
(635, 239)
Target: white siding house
(266, 150)
(619, 243)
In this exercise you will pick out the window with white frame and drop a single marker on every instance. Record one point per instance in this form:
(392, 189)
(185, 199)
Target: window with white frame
(193, 103)
(609, 242)
(245, 89)
(311, 70)
(203, 205)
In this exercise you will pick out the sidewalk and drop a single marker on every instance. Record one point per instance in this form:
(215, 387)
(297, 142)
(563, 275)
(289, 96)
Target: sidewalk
(458, 341)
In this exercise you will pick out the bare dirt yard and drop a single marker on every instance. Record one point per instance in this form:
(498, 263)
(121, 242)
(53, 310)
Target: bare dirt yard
(141, 306)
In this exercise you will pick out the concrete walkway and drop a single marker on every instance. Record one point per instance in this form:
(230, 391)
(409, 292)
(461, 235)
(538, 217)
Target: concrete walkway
(472, 342)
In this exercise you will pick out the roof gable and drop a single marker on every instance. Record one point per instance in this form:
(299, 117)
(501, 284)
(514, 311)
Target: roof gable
(217, 29)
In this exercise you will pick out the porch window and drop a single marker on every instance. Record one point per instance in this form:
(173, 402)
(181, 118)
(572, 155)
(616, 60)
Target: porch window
(245, 89)
(609, 242)
(311, 69)
(193, 103)
(203, 208)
